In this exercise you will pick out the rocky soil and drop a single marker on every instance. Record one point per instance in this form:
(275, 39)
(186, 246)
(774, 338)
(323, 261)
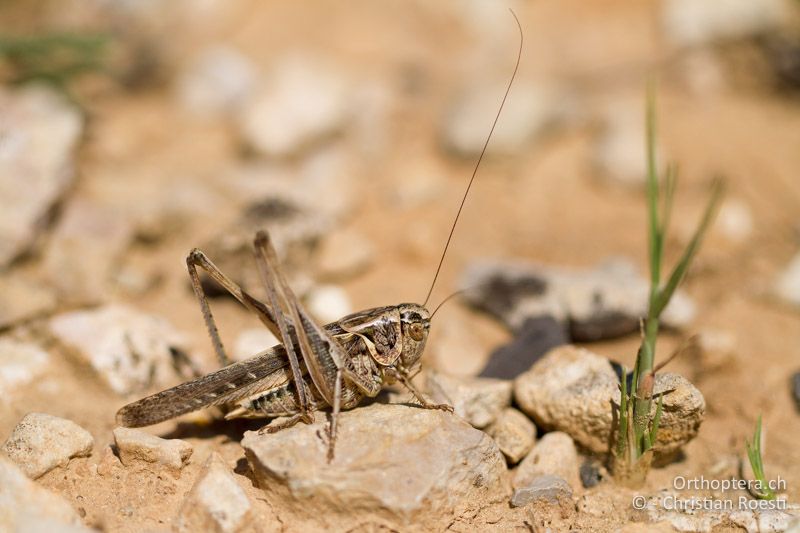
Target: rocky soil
(349, 133)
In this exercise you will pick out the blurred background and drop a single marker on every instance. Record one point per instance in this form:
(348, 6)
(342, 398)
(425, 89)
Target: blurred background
(133, 131)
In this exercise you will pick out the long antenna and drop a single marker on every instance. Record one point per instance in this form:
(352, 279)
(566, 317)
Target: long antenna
(478, 164)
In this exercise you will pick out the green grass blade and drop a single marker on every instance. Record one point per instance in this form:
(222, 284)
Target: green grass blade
(683, 264)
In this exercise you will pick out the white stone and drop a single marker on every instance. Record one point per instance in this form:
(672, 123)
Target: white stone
(40, 443)
(218, 80)
(531, 108)
(787, 286)
(20, 363)
(699, 22)
(139, 446)
(26, 506)
(300, 103)
(401, 464)
(735, 221)
(572, 389)
(38, 136)
(619, 152)
(252, 341)
(216, 502)
(479, 401)
(329, 303)
(128, 349)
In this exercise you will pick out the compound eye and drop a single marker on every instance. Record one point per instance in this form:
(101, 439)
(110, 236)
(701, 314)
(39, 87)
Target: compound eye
(416, 331)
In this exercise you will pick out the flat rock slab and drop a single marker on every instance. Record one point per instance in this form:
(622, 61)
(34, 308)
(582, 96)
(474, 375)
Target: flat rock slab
(402, 466)
(41, 442)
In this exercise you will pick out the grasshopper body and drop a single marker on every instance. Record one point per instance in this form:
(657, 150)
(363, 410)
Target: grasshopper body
(338, 366)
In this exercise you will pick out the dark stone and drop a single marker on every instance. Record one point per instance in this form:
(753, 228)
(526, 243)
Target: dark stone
(536, 337)
(590, 473)
(796, 389)
(604, 325)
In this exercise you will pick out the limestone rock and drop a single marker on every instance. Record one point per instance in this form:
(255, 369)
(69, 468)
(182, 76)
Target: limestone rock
(514, 434)
(138, 446)
(555, 455)
(25, 506)
(572, 390)
(479, 401)
(40, 131)
(41, 442)
(216, 502)
(129, 350)
(398, 464)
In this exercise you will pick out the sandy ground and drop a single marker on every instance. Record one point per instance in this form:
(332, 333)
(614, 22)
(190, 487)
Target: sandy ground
(544, 203)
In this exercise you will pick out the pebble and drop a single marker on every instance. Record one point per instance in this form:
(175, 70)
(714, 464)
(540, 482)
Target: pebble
(600, 303)
(548, 488)
(219, 80)
(692, 22)
(41, 442)
(531, 109)
(735, 221)
(300, 103)
(572, 389)
(796, 389)
(479, 401)
(136, 446)
(252, 341)
(554, 454)
(216, 502)
(84, 251)
(787, 287)
(407, 465)
(20, 364)
(535, 337)
(26, 506)
(22, 299)
(130, 350)
(514, 434)
(39, 133)
(344, 254)
(328, 303)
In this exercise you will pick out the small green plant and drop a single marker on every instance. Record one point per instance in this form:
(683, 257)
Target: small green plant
(762, 489)
(638, 423)
(54, 58)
